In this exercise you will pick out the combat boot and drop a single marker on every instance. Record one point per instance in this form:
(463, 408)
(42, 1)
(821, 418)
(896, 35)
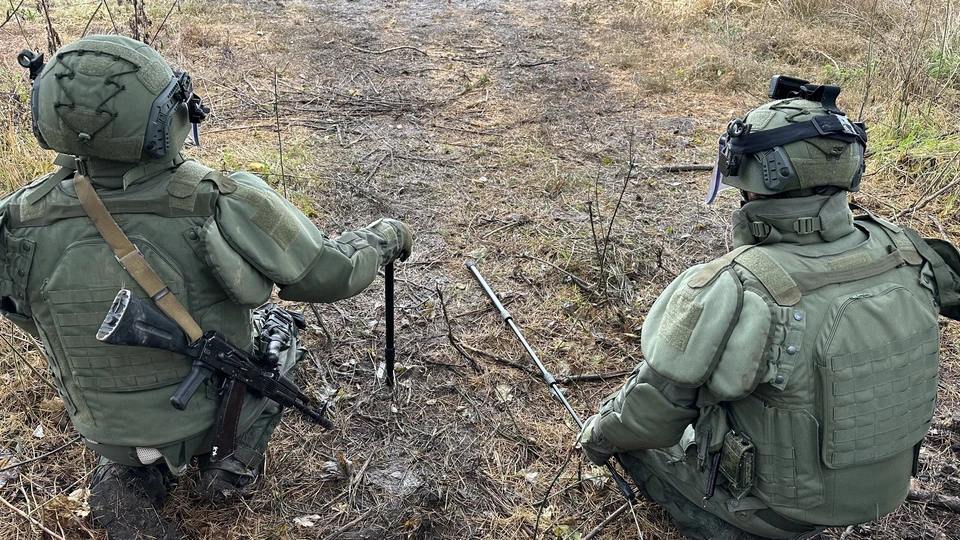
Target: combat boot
(127, 502)
(225, 480)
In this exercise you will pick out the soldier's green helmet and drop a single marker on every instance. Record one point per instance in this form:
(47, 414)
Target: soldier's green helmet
(797, 143)
(109, 97)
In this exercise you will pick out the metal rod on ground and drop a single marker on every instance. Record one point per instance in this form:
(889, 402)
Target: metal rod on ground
(389, 353)
(625, 488)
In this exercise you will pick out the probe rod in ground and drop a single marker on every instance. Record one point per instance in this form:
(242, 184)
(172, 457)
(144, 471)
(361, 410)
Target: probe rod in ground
(625, 488)
(389, 353)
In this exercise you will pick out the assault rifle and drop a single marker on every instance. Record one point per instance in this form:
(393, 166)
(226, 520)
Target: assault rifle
(133, 321)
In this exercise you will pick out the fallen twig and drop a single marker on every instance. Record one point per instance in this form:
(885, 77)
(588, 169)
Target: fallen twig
(596, 530)
(24, 515)
(391, 49)
(687, 167)
(580, 282)
(943, 232)
(935, 499)
(501, 360)
(41, 456)
(593, 377)
(453, 339)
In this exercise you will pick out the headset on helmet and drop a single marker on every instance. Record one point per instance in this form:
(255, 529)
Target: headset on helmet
(755, 152)
(75, 96)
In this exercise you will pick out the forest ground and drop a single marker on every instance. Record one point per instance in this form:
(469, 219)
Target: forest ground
(538, 138)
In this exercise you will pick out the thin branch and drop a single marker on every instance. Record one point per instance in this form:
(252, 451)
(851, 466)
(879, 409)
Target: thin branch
(944, 189)
(276, 112)
(24, 515)
(453, 340)
(687, 167)
(391, 49)
(581, 283)
(90, 20)
(164, 21)
(41, 456)
(501, 360)
(25, 361)
(935, 499)
(536, 525)
(10, 14)
(593, 377)
(596, 530)
(323, 327)
(106, 4)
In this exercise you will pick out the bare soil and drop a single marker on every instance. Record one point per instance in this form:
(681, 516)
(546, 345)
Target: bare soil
(529, 136)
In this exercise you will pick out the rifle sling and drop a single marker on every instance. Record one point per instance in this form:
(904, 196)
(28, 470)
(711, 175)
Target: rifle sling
(132, 260)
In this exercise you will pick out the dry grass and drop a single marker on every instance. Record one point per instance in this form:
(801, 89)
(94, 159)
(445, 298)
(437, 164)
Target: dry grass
(497, 129)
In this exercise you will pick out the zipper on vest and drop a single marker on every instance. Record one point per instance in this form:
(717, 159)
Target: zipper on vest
(846, 304)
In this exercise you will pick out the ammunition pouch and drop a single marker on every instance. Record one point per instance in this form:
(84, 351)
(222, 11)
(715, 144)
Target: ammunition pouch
(737, 460)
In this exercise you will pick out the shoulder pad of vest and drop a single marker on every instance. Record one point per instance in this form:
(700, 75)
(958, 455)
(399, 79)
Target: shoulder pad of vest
(268, 230)
(686, 329)
(183, 185)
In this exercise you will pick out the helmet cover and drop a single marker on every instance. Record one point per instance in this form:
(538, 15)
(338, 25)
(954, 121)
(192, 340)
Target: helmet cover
(113, 98)
(812, 147)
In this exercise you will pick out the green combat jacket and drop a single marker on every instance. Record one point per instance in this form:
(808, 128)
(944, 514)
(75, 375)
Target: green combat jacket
(816, 339)
(220, 243)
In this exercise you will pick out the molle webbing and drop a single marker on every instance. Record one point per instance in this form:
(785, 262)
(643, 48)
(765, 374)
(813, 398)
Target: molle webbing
(47, 214)
(811, 281)
(132, 260)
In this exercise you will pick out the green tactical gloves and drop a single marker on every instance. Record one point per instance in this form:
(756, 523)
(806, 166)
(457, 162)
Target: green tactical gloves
(396, 239)
(595, 447)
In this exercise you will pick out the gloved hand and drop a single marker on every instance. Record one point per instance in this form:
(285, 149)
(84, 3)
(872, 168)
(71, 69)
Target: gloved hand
(397, 239)
(595, 447)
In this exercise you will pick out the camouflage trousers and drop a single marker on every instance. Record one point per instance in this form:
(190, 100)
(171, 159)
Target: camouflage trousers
(672, 479)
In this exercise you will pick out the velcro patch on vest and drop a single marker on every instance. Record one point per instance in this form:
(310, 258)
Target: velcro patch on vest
(272, 217)
(680, 319)
(774, 278)
(853, 261)
(183, 185)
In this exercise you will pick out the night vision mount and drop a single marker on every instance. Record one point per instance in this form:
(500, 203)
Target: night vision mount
(783, 87)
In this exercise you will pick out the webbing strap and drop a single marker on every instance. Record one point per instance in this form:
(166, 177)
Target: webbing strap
(811, 281)
(67, 166)
(132, 260)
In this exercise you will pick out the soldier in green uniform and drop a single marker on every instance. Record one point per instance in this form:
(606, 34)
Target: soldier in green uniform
(118, 116)
(787, 385)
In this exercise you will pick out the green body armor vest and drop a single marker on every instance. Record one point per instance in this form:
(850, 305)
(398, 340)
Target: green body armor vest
(65, 275)
(850, 384)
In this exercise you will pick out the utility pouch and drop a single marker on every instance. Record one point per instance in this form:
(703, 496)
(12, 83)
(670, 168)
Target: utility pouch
(737, 463)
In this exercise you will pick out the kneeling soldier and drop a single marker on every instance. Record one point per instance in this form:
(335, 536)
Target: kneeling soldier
(217, 244)
(787, 385)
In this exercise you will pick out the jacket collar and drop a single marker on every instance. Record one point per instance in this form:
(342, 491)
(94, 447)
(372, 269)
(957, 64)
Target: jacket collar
(117, 175)
(803, 220)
